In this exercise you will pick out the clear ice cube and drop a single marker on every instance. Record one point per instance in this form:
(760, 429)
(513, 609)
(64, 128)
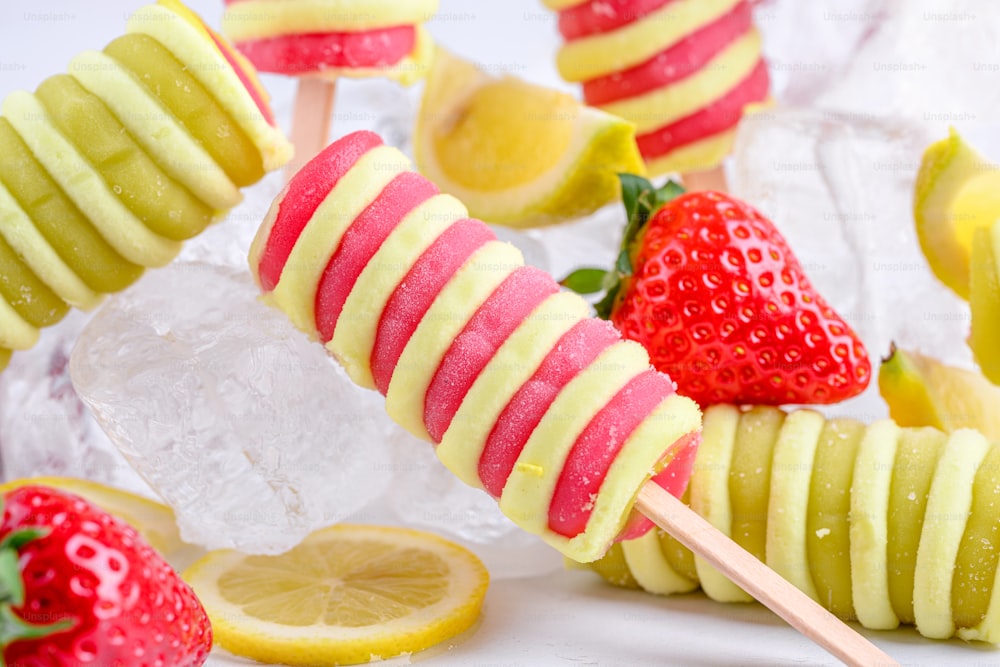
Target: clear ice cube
(44, 428)
(803, 61)
(928, 62)
(255, 437)
(242, 425)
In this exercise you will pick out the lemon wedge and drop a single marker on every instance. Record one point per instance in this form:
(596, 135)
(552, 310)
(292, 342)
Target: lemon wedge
(922, 391)
(515, 153)
(984, 300)
(346, 595)
(957, 191)
(154, 521)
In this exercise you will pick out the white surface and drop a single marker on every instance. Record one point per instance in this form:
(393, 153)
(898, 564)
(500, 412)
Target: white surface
(573, 619)
(570, 618)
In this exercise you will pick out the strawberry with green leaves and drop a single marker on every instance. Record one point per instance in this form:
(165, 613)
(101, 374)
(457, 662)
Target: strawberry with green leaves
(712, 290)
(80, 587)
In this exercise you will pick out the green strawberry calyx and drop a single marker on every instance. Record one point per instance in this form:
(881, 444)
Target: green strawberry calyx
(641, 199)
(12, 627)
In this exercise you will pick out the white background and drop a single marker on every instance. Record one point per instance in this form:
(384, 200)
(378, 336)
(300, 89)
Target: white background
(569, 618)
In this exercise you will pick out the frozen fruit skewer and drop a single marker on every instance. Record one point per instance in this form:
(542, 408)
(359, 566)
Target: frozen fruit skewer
(882, 524)
(319, 41)
(683, 71)
(522, 393)
(424, 304)
(332, 38)
(108, 168)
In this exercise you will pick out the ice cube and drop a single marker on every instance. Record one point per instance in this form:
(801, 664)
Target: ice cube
(242, 425)
(44, 428)
(928, 62)
(227, 242)
(808, 45)
(840, 188)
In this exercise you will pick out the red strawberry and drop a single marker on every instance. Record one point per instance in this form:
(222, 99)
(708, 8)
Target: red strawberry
(712, 290)
(80, 587)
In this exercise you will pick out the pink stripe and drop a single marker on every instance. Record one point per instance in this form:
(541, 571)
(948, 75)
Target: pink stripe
(576, 349)
(496, 319)
(362, 240)
(314, 52)
(597, 447)
(417, 291)
(719, 116)
(679, 61)
(303, 195)
(253, 90)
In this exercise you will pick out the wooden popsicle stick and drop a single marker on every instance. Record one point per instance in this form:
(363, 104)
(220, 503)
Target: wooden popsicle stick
(709, 179)
(311, 119)
(764, 584)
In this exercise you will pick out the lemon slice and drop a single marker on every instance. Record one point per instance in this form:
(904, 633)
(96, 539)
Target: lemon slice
(346, 595)
(515, 153)
(922, 391)
(957, 191)
(984, 300)
(154, 521)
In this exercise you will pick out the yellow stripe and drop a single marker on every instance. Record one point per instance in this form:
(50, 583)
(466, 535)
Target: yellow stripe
(710, 494)
(988, 630)
(948, 504)
(156, 129)
(514, 363)
(791, 474)
(452, 308)
(559, 5)
(295, 293)
(20, 232)
(651, 569)
(354, 337)
(697, 155)
(597, 55)
(673, 102)
(194, 48)
(15, 332)
(264, 19)
(81, 183)
(528, 492)
(869, 525)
